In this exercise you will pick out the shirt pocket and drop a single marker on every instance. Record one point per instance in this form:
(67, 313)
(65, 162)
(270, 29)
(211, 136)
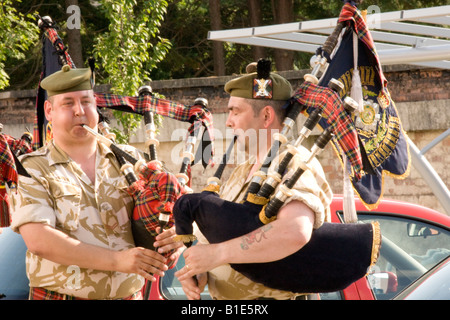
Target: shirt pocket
(67, 199)
(122, 194)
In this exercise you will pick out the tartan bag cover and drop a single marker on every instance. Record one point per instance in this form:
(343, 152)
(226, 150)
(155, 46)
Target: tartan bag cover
(314, 96)
(155, 191)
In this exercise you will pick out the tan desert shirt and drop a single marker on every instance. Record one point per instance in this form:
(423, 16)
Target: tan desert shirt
(224, 283)
(61, 195)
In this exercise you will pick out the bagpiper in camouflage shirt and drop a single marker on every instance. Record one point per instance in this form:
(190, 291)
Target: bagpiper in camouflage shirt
(61, 195)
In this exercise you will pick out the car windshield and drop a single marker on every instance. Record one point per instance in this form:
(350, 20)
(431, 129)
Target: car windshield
(435, 285)
(409, 249)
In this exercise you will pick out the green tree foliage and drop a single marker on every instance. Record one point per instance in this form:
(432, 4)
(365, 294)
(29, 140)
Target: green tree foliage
(185, 23)
(24, 73)
(129, 50)
(17, 34)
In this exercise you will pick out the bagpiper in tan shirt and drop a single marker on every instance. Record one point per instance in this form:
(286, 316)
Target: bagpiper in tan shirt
(61, 195)
(224, 283)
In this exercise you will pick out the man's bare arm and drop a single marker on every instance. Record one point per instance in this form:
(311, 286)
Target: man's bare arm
(274, 241)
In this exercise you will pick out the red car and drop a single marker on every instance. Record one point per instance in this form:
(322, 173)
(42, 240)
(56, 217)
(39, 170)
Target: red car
(415, 239)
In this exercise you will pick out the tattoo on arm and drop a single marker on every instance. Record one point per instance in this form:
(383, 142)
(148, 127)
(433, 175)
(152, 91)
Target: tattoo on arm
(255, 236)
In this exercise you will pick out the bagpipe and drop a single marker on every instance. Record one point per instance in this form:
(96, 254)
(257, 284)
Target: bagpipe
(153, 188)
(337, 254)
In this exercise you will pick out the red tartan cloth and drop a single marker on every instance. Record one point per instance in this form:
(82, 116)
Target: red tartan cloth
(9, 176)
(8, 171)
(19, 146)
(315, 96)
(8, 144)
(156, 191)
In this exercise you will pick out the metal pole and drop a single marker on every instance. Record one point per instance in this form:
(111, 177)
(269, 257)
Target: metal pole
(430, 176)
(435, 142)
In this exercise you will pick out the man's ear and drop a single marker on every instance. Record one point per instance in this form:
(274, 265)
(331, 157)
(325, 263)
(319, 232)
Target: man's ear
(48, 110)
(269, 116)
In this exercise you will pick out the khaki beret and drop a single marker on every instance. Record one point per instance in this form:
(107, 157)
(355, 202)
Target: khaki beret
(67, 80)
(250, 86)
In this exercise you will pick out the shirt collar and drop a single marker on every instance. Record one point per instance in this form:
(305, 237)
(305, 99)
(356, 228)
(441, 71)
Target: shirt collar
(59, 156)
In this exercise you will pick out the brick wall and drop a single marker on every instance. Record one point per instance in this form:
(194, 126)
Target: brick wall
(419, 85)
(17, 107)
(421, 96)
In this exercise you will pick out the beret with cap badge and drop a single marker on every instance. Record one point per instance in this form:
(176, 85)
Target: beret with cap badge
(67, 80)
(260, 83)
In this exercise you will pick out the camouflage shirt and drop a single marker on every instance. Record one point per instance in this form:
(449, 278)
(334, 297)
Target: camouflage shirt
(224, 283)
(61, 195)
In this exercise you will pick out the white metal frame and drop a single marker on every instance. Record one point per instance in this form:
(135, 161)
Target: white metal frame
(418, 37)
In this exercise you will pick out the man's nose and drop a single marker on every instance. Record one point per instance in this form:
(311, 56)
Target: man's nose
(229, 122)
(78, 109)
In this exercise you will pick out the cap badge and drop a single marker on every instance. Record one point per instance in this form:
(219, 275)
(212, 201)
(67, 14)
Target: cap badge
(262, 89)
